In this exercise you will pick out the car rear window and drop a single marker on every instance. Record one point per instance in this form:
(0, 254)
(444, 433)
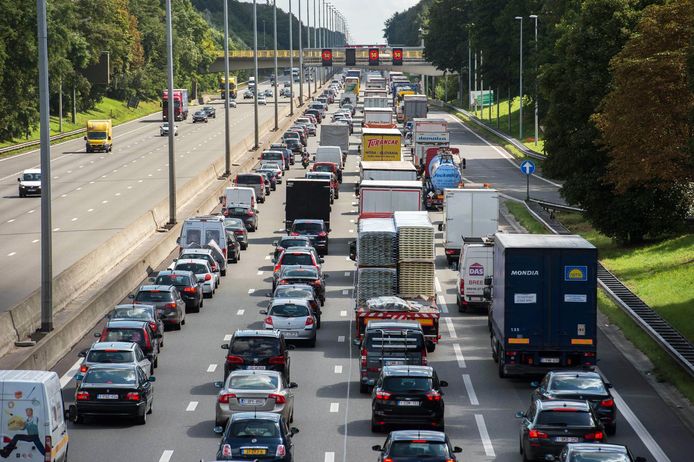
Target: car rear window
(273, 156)
(110, 356)
(289, 310)
(154, 296)
(588, 455)
(284, 243)
(237, 211)
(418, 450)
(173, 280)
(254, 429)
(212, 235)
(292, 292)
(108, 376)
(400, 384)
(300, 273)
(248, 179)
(257, 346)
(592, 385)
(253, 382)
(324, 168)
(196, 268)
(565, 418)
(124, 335)
(297, 259)
(131, 313)
(307, 227)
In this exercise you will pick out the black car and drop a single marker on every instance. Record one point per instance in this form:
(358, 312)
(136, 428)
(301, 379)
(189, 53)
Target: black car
(283, 147)
(233, 247)
(586, 385)
(316, 113)
(211, 111)
(256, 436)
(245, 213)
(271, 177)
(295, 145)
(310, 275)
(200, 116)
(188, 287)
(416, 445)
(140, 312)
(285, 242)
(238, 227)
(257, 349)
(409, 395)
(114, 390)
(548, 426)
(138, 332)
(303, 292)
(595, 452)
(316, 230)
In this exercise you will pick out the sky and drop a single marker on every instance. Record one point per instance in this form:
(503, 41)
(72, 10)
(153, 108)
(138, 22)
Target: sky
(365, 18)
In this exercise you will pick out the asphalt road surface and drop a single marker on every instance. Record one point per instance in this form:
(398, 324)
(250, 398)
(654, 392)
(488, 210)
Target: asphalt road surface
(333, 417)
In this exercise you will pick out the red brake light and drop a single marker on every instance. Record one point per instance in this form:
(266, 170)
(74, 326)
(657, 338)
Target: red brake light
(363, 358)
(607, 402)
(268, 320)
(534, 434)
(133, 396)
(418, 441)
(189, 290)
(148, 342)
(565, 409)
(82, 395)
(387, 459)
(208, 276)
(322, 234)
(276, 360)
(170, 305)
(226, 450)
(593, 436)
(433, 396)
(383, 395)
(231, 359)
(249, 213)
(281, 451)
(238, 231)
(225, 397)
(282, 281)
(450, 251)
(461, 286)
(278, 266)
(153, 326)
(214, 267)
(294, 233)
(48, 448)
(309, 321)
(279, 399)
(83, 368)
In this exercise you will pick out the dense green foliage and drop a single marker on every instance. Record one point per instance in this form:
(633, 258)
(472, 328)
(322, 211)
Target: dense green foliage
(402, 29)
(615, 81)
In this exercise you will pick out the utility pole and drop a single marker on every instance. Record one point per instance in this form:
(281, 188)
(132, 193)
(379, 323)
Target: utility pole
(520, 78)
(301, 60)
(227, 133)
(257, 83)
(291, 62)
(277, 77)
(308, 41)
(534, 16)
(171, 119)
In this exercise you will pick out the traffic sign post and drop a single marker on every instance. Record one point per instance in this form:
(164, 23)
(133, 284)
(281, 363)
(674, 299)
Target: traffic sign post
(527, 168)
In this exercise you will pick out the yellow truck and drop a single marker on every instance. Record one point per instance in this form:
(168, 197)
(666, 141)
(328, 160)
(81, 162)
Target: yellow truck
(99, 136)
(380, 144)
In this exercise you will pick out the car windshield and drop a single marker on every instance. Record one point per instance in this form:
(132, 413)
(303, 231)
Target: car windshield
(297, 259)
(289, 311)
(400, 384)
(31, 177)
(110, 376)
(123, 335)
(237, 211)
(253, 382)
(110, 356)
(196, 268)
(563, 418)
(592, 385)
(588, 455)
(131, 313)
(300, 273)
(258, 346)
(307, 227)
(417, 450)
(254, 429)
(173, 280)
(293, 292)
(247, 179)
(154, 296)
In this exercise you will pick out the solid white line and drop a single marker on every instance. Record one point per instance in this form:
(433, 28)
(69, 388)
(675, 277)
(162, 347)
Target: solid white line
(334, 407)
(250, 291)
(10, 220)
(451, 328)
(74, 219)
(470, 390)
(90, 210)
(345, 291)
(341, 339)
(267, 257)
(227, 337)
(351, 230)
(240, 312)
(191, 406)
(56, 229)
(343, 313)
(31, 211)
(459, 356)
(484, 434)
(34, 241)
(260, 273)
(166, 456)
(65, 379)
(348, 273)
(329, 457)
(11, 254)
(646, 438)
(437, 284)
(442, 303)
(211, 368)
(338, 369)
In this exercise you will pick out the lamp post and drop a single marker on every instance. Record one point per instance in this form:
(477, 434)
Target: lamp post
(534, 17)
(301, 61)
(291, 63)
(277, 77)
(171, 119)
(227, 134)
(520, 80)
(255, 69)
(308, 42)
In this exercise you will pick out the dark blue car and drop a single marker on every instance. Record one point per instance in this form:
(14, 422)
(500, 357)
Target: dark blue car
(256, 435)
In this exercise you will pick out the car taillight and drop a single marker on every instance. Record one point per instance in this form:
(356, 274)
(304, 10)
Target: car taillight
(316, 282)
(425, 361)
(363, 358)
(208, 276)
(238, 231)
(607, 402)
(534, 434)
(282, 281)
(213, 267)
(225, 397)
(226, 450)
(276, 360)
(281, 451)
(433, 396)
(461, 286)
(189, 290)
(387, 459)
(83, 368)
(153, 326)
(171, 306)
(294, 233)
(148, 341)
(231, 359)
(595, 436)
(268, 320)
(48, 448)
(279, 399)
(133, 396)
(225, 212)
(383, 395)
(322, 234)
(309, 321)
(277, 267)
(82, 396)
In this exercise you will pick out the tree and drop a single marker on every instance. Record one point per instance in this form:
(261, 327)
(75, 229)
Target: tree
(446, 34)
(402, 29)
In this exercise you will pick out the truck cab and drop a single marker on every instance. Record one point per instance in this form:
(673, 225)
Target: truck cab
(99, 136)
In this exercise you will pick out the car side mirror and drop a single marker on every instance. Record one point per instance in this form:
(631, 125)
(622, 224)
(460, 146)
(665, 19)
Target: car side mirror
(83, 353)
(290, 347)
(457, 449)
(78, 377)
(85, 138)
(443, 383)
(109, 138)
(218, 429)
(225, 346)
(293, 385)
(219, 384)
(534, 384)
(293, 431)
(263, 312)
(326, 276)
(178, 240)
(70, 413)
(274, 243)
(152, 279)
(131, 296)
(377, 447)
(356, 342)
(152, 378)
(19, 180)
(608, 385)
(322, 260)
(97, 334)
(520, 415)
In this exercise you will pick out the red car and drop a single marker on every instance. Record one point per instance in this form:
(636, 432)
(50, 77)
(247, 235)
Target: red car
(327, 167)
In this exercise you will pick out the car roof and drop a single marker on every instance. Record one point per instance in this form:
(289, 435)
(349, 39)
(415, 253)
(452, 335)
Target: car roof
(32, 170)
(306, 220)
(563, 403)
(191, 260)
(408, 371)
(175, 273)
(127, 324)
(287, 301)
(256, 416)
(156, 288)
(429, 435)
(100, 346)
(257, 333)
(599, 447)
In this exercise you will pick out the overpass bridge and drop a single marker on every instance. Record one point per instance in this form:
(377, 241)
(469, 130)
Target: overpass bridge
(413, 60)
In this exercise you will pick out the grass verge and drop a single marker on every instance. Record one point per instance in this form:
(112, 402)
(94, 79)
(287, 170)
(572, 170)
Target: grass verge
(508, 122)
(660, 273)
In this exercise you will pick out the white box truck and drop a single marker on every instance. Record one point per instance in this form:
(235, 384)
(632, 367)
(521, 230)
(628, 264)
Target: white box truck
(380, 198)
(468, 213)
(335, 135)
(428, 133)
(33, 417)
(476, 262)
(378, 117)
(376, 101)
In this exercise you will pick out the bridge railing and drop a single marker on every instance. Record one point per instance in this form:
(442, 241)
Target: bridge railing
(413, 54)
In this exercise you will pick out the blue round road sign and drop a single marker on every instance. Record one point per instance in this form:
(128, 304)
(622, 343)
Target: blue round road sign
(527, 167)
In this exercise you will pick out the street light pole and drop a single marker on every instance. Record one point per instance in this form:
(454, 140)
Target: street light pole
(291, 62)
(308, 41)
(534, 16)
(257, 83)
(301, 60)
(520, 79)
(277, 77)
(171, 116)
(227, 134)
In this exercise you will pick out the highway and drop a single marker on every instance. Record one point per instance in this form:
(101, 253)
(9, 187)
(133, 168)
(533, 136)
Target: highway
(333, 417)
(96, 195)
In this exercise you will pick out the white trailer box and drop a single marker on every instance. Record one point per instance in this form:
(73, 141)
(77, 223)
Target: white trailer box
(330, 154)
(378, 117)
(335, 135)
(428, 133)
(380, 198)
(387, 170)
(468, 213)
(376, 102)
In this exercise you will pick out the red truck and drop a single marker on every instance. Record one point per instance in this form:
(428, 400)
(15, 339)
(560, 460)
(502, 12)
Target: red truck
(180, 97)
(421, 310)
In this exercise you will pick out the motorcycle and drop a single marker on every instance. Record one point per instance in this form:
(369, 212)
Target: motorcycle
(305, 160)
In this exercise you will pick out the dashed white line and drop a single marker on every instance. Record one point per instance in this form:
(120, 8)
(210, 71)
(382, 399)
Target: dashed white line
(11, 254)
(338, 369)
(117, 194)
(34, 241)
(343, 313)
(347, 273)
(345, 291)
(192, 406)
(341, 339)
(260, 273)
(267, 257)
(451, 328)
(56, 229)
(484, 434)
(166, 456)
(351, 230)
(63, 195)
(470, 390)
(250, 291)
(31, 211)
(227, 337)
(211, 368)
(74, 219)
(459, 356)
(10, 220)
(334, 407)
(329, 457)
(104, 201)
(65, 379)
(240, 312)
(90, 210)
(437, 284)
(443, 307)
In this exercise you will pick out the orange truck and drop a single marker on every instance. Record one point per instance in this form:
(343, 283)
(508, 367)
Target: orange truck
(380, 144)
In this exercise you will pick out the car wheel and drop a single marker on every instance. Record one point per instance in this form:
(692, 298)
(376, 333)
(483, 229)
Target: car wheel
(461, 307)
(151, 369)
(183, 322)
(495, 355)
(207, 295)
(312, 343)
(155, 364)
(151, 407)
(22, 194)
(502, 364)
(337, 195)
(363, 388)
(194, 309)
(141, 419)
(326, 250)
(318, 322)
(243, 247)
(224, 272)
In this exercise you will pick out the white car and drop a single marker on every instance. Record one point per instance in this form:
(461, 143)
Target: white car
(274, 166)
(202, 271)
(232, 103)
(114, 353)
(30, 182)
(164, 129)
(262, 100)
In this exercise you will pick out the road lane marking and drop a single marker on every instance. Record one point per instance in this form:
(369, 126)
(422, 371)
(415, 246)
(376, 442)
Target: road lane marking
(343, 313)
(347, 273)
(351, 230)
(484, 434)
(74, 219)
(166, 456)
(329, 457)
(104, 201)
(31, 211)
(191, 406)
(267, 257)
(90, 210)
(334, 407)
(451, 328)
(56, 229)
(260, 273)
(240, 312)
(211, 368)
(70, 374)
(227, 337)
(338, 369)
(341, 339)
(345, 291)
(250, 291)
(437, 284)
(459, 356)
(34, 241)
(470, 390)
(443, 307)
(10, 220)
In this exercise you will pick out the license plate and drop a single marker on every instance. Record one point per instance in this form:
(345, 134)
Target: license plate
(256, 368)
(253, 451)
(549, 360)
(252, 401)
(106, 396)
(395, 363)
(290, 334)
(566, 439)
(408, 403)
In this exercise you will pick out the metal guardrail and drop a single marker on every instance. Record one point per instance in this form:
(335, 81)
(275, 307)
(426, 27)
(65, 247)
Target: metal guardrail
(554, 206)
(29, 144)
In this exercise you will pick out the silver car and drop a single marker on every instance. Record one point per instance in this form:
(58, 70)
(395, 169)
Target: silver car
(293, 317)
(114, 353)
(254, 390)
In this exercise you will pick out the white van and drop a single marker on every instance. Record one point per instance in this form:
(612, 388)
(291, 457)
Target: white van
(330, 154)
(33, 417)
(238, 195)
(476, 263)
(198, 231)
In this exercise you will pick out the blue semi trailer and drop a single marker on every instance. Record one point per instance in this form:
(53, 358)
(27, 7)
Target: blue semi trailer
(544, 303)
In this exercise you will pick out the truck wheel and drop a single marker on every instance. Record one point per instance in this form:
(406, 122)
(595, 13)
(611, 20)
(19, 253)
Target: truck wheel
(461, 307)
(22, 194)
(502, 365)
(363, 388)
